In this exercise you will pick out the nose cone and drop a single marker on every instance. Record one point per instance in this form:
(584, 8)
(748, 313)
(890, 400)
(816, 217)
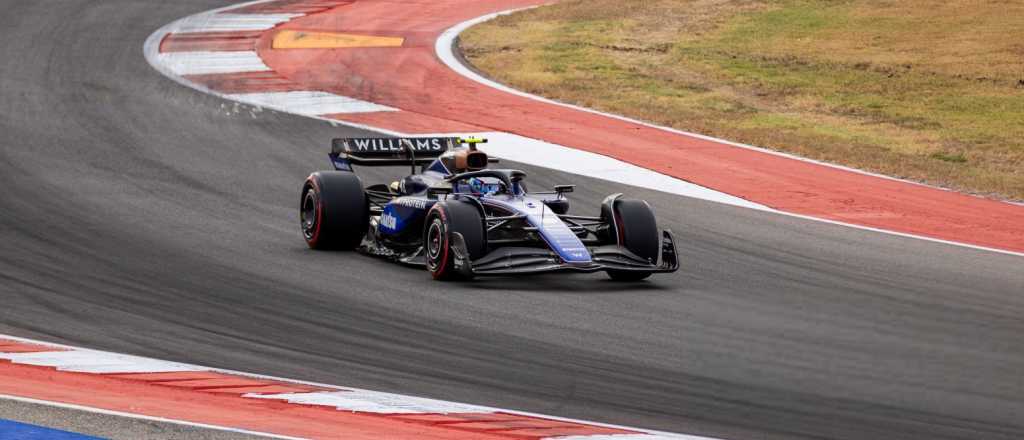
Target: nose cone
(558, 235)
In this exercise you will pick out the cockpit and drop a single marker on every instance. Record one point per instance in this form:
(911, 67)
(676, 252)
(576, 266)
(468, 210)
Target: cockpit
(480, 186)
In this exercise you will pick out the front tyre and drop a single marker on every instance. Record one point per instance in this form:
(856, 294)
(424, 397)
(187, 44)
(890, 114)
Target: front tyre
(334, 213)
(637, 231)
(443, 220)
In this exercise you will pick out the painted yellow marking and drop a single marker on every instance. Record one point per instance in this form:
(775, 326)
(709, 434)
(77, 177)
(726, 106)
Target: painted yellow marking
(330, 40)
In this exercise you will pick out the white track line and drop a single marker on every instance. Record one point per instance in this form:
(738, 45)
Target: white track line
(543, 154)
(226, 22)
(622, 437)
(375, 402)
(200, 63)
(343, 399)
(88, 361)
(107, 412)
(309, 103)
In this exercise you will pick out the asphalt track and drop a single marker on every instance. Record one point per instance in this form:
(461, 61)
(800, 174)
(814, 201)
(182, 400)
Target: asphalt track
(140, 216)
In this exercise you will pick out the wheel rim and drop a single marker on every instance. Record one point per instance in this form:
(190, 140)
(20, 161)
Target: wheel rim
(308, 214)
(434, 235)
(434, 244)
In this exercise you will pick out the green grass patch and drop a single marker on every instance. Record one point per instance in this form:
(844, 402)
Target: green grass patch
(919, 89)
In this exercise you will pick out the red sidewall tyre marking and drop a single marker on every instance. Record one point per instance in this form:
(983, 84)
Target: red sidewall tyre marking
(442, 267)
(315, 238)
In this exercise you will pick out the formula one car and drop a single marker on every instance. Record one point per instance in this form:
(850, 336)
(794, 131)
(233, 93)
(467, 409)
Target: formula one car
(461, 219)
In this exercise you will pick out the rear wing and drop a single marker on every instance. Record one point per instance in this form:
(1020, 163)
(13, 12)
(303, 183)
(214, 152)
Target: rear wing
(346, 152)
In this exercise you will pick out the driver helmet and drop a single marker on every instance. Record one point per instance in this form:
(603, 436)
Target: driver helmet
(477, 186)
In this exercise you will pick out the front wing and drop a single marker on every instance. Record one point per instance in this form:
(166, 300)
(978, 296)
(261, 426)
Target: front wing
(528, 260)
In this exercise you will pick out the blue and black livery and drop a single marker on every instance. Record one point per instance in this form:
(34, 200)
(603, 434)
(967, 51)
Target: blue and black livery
(460, 218)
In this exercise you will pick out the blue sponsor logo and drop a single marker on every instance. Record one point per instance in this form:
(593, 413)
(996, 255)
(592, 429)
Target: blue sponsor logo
(390, 221)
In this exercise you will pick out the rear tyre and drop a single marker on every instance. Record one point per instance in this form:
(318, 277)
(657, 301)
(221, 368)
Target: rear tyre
(444, 219)
(334, 213)
(637, 231)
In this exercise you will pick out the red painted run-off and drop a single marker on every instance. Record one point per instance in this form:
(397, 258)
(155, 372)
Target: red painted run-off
(215, 398)
(412, 78)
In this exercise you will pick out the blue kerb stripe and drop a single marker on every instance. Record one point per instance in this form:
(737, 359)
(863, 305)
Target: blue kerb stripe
(10, 430)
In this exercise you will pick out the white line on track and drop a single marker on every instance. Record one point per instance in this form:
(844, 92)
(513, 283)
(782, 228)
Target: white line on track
(374, 402)
(226, 22)
(620, 437)
(200, 63)
(547, 155)
(642, 436)
(309, 103)
(89, 361)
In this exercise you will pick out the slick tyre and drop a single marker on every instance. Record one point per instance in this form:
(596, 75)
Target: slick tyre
(444, 219)
(334, 213)
(638, 232)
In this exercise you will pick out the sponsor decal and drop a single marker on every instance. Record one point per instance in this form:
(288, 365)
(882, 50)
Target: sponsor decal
(396, 145)
(412, 203)
(389, 221)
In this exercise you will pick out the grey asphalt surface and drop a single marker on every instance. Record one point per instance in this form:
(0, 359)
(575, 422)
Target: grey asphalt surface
(108, 426)
(139, 216)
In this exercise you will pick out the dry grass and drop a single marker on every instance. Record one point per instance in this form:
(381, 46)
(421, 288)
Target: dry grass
(927, 90)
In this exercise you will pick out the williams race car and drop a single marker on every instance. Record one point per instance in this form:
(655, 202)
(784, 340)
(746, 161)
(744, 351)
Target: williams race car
(460, 219)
